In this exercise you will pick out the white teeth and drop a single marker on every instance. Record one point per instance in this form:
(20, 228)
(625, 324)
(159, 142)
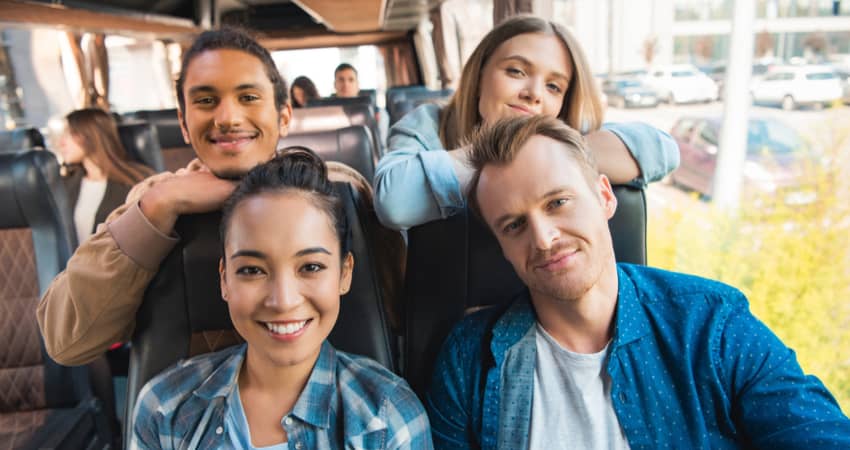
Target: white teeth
(289, 328)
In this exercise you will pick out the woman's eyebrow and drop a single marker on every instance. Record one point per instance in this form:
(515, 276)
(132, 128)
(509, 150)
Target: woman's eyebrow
(311, 250)
(248, 253)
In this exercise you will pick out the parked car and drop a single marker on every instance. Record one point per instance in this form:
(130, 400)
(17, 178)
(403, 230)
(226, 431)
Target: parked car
(794, 86)
(681, 84)
(717, 73)
(844, 75)
(775, 162)
(629, 93)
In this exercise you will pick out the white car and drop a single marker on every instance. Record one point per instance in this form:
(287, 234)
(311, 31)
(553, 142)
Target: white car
(682, 84)
(793, 86)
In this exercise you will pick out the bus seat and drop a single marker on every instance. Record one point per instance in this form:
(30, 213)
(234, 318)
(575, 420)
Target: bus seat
(406, 101)
(176, 154)
(455, 264)
(42, 404)
(183, 315)
(351, 146)
(341, 101)
(142, 144)
(20, 139)
(320, 118)
(398, 92)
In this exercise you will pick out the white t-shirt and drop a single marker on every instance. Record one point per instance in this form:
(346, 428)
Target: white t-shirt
(91, 194)
(571, 406)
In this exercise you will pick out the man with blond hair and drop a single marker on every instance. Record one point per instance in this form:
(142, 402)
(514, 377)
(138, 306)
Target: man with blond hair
(600, 355)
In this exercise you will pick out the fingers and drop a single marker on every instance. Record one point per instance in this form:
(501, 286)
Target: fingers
(196, 165)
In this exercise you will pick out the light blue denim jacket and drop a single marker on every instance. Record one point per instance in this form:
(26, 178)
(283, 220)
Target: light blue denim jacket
(690, 367)
(415, 181)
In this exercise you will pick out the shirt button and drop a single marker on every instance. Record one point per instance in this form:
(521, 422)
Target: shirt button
(287, 421)
(623, 397)
(219, 430)
(297, 446)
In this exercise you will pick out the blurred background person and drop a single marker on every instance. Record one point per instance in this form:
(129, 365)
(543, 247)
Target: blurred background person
(346, 83)
(302, 91)
(98, 172)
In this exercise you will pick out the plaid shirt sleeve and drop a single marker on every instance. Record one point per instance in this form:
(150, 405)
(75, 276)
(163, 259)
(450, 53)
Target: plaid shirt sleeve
(407, 422)
(146, 433)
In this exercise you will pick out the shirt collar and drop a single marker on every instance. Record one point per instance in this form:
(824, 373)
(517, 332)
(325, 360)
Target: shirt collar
(223, 378)
(512, 325)
(314, 404)
(631, 320)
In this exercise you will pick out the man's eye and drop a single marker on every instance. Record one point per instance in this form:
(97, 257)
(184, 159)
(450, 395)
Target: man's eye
(250, 97)
(312, 267)
(204, 101)
(558, 202)
(513, 226)
(249, 271)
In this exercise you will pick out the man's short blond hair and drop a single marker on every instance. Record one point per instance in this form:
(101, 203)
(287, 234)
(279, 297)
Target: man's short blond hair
(500, 143)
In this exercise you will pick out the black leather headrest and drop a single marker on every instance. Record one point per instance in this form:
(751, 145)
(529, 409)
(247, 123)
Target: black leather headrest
(399, 92)
(406, 101)
(317, 118)
(166, 123)
(141, 141)
(351, 146)
(20, 139)
(33, 196)
(184, 298)
(465, 257)
(341, 101)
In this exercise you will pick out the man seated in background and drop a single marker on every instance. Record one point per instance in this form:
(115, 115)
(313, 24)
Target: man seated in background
(602, 355)
(346, 83)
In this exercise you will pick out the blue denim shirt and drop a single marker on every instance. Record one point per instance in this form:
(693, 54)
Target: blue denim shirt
(349, 402)
(415, 181)
(690, 367)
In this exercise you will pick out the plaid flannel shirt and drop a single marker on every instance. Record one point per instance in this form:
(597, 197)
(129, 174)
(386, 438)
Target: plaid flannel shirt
(349, 402)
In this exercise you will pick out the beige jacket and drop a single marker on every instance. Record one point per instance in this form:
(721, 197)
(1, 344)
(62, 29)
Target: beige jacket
(93, 302)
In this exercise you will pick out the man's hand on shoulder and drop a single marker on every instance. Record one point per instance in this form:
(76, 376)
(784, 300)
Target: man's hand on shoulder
(188, 191)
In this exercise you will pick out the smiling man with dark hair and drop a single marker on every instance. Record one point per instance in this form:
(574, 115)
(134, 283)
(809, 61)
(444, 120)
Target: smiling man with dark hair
(233, 110)
(600, 355)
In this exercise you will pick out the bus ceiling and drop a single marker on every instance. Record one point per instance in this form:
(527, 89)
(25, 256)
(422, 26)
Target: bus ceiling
(281, 24)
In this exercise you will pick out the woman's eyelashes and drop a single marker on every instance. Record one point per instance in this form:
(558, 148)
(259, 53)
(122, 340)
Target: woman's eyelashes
(250, 271)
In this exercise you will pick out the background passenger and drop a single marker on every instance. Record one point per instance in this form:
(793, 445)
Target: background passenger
(98, 173)
(346, 83)
(286, 263)
(526, 65)
(302, 91)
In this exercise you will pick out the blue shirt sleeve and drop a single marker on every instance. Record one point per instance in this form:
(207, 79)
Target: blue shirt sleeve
(655, 151)
(775, 404)
(415, 181)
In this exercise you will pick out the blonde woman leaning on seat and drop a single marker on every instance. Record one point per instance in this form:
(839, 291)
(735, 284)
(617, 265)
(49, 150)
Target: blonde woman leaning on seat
(99, 174)
(526, 65)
